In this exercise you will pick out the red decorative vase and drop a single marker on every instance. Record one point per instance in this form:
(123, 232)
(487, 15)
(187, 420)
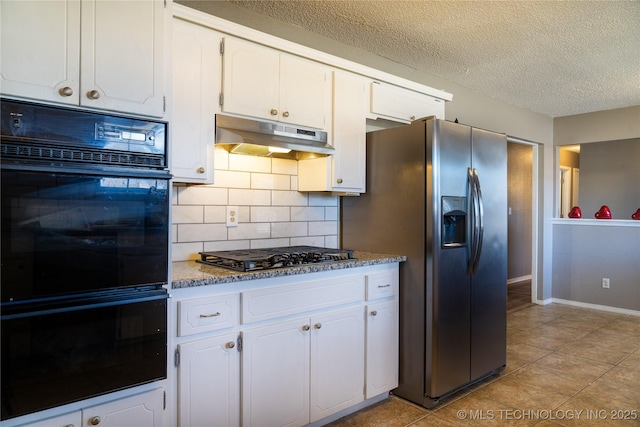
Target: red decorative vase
(575, 212)
(604, 212)
(636, 215)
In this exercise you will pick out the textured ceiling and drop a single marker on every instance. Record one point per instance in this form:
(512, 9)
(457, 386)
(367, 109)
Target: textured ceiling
(556, 58)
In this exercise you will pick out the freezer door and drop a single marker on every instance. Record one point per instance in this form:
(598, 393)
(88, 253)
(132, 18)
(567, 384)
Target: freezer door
(448, 351)
(489, 284)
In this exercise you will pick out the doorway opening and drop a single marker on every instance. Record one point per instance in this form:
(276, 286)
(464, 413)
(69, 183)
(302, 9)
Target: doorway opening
(522, 183)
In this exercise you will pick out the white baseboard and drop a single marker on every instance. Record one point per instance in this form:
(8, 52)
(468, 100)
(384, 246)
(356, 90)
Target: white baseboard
(518, 279)
(593, 306)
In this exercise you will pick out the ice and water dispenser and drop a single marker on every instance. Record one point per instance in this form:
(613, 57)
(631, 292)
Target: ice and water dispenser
(454, 221)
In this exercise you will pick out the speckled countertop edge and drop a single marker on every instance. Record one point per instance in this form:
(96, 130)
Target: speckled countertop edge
(189, 274)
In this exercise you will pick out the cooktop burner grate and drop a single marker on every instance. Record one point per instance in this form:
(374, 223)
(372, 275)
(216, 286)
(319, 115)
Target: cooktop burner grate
(269, 258)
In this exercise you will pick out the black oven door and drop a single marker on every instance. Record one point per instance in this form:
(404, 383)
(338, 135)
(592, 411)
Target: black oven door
(73, 232)
(63, 350)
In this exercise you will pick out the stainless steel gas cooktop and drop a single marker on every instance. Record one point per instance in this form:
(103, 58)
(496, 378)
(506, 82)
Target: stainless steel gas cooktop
(269, 258)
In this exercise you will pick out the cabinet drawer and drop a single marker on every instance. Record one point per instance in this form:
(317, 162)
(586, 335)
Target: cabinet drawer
(207, 314)
(270, 303)
(382, 285)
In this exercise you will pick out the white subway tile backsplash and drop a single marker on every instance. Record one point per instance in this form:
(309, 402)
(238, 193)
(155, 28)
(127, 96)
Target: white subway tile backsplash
(221, 158)
(232, 179)
(289, 229)
(321, 199)
(331, 242)
(249, 197)
(307, 213)
(270, 213)
(331, 213)
(227, 245)
(270, 181)
(239, 162)
(250, 231)
(213, 214)
(269, 243)
(323, 228)
(201, 232)
(284, 166)
(189, 214)
(309, 241)
(186, 251)
(289, 198)
(202, 195)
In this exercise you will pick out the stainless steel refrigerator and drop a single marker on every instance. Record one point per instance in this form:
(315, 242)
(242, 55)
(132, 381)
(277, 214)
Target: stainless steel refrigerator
(437, 193)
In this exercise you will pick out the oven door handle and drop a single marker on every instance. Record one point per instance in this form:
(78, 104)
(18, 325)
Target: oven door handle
(61, 305)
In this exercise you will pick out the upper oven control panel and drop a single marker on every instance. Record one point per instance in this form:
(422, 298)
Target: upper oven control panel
(35, 132)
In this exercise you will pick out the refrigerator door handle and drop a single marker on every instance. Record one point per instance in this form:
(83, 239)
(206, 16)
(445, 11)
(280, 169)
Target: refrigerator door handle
(473, 220)
(479, 220)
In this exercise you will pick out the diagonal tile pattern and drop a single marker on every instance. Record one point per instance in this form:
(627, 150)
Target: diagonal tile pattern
(566, 366)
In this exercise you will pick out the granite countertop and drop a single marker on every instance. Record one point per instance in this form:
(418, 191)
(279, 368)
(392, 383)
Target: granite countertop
(188, 274)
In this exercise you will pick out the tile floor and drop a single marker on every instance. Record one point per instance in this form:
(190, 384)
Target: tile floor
(566, 366)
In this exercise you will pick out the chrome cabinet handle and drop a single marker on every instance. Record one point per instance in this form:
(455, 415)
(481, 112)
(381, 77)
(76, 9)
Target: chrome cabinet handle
(94, 94)
(374, 313)
(66, 91)
(339, 180)
(230, 344)
(285, 114)
(318, 325)
(412, 117)
(216, 314)
(200, 170)
(94, 421)
(274, 112)
(384, 286)
(306, 327)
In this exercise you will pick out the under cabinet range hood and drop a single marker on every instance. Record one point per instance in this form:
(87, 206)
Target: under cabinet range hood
(261, 138)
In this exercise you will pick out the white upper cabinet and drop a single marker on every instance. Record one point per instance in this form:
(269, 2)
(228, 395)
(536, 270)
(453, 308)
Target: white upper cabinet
(345, 170)
(196, 76)
(403, 105)
(92, 53)
(264, 83)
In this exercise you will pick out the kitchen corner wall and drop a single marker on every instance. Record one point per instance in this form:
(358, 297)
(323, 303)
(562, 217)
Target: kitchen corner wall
(271, 212)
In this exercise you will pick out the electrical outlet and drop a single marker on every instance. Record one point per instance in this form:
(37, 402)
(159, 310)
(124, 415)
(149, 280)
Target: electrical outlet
(232, 216)
(605, 282)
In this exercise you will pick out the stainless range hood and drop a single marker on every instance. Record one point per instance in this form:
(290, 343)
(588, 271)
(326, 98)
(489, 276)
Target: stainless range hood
(259, 138)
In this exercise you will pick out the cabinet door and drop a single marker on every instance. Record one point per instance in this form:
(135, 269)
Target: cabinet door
(250, 79)
(145, 409)
(40, 50)
(305, 92)
(403, 105)
(275, 375)
(73, 419)
(209, 382)
(196, 86)
(349, 132)
(382, 348)
(337, 361)
(122, 56)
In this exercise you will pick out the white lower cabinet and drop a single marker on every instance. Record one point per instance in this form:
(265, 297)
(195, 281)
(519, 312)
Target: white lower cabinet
(308, 349)
(144, 409)
(303, 370)
(209, 382)
(382, 347)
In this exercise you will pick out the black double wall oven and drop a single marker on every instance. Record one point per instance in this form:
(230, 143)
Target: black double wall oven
(85, 226)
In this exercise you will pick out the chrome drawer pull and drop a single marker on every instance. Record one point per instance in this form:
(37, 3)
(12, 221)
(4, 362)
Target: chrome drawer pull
(216, 314)
(384, 286)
